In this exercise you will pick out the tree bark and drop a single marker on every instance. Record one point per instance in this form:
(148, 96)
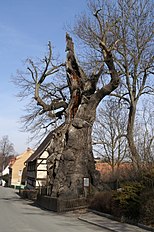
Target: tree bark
(71, 156)
(130, 136)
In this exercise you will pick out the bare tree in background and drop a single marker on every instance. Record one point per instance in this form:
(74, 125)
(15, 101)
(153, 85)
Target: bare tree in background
(126, 27)
(109, 134)
(6, 150)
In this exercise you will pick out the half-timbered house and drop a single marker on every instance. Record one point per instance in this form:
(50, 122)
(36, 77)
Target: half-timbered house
(36, 165)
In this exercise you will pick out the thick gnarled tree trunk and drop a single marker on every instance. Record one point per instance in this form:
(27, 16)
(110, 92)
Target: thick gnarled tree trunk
(75, 158)
(76, 162)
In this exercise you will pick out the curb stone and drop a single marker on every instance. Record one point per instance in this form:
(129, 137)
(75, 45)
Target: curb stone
(109, 224)
(95, 224)
(109, 216)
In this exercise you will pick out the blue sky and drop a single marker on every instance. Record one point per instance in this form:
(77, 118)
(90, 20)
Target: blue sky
(26, 26)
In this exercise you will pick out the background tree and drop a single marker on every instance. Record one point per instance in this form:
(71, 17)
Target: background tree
(6, 150)
(110, 126)
(144, 132)
(109, 132)
(126, 27)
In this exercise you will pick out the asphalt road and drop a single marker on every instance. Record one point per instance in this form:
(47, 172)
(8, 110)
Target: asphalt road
(18, 215)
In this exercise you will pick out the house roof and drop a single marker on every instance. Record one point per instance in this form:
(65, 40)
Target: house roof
(42, 146)
(105, 170)
(20, 159)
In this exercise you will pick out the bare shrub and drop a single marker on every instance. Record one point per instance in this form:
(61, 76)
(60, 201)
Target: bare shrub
(102, 201)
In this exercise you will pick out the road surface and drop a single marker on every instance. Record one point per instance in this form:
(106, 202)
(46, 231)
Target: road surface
(18, 215)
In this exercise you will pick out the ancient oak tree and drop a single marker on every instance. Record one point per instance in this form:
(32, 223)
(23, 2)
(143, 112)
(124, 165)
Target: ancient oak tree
(72, 158)
(72, 98)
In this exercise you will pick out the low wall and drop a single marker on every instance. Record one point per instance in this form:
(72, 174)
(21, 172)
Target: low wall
(29, 194)
(60, 205)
